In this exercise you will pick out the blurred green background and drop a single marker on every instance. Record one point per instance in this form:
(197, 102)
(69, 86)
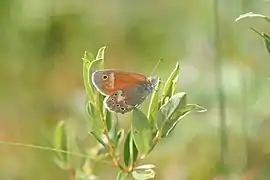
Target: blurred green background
(41, 46)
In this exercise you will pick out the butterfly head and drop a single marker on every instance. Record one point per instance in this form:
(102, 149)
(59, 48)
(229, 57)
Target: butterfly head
(153, 82)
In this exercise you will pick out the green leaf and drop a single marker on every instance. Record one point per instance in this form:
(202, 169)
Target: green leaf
(169, 86)
(101, 52)
(265, 37)
(108, 119)
(89, 66)
(89, 110)
(143, 174)
(94, 115)
(141, 131)
(104, 111)
(88, 57)
(134, 151)
(127, 157)
(86, 79)
(154, 105)
(146, 166)
(60, 141)
(119, 137)
(251, 15)
(177, 116)
(196, 108)
(166, 111)
(98, 139)
(92, 67)
(130, 150)
(116, 127)
(85, 174)
(266, 41)
(139, 120)
(118, 134)
(123, 176)
(61, 164)
(173, 111)
(72, 146)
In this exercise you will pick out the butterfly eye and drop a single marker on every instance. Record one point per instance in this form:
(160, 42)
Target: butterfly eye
(104, 77)
(122, 108)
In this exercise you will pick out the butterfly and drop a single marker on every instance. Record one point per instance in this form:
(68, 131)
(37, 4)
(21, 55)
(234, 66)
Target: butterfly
(123, 90)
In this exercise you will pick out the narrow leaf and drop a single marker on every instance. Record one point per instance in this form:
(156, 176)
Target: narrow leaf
(72, 146)
(88, 57)
(86, 68)
(119, 138)
(61, 164)
(169, 86)
(130, 151)
(60, 141)
(101, 52)
(98, 139)
(179, 115)
(108, 119)
(251, 15)
(89, 110)
(94, 114)
(116, 128)
(196, 108)
(127, 157)
(139, 120)
(89, 66)
(141, 132)
(143, 174)
(116, 125)
(134, 151)
(265, 37)
(123, 176)
(175, 103)
(154, 105)
(146, 166)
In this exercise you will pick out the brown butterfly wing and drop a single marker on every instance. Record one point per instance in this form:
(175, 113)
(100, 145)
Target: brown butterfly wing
(109, 81)
(114, 104)
(126, 99)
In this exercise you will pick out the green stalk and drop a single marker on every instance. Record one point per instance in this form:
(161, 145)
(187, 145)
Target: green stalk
(219, 87)
(245, 5)
(244, 105)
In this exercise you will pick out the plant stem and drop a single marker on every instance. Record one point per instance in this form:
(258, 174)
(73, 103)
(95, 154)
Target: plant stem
(245, 6)
(115, 158)
(219, 86)
(72, 174)
(46, 149)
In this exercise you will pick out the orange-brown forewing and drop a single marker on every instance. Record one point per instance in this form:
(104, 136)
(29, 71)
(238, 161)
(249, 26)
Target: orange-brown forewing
(109, 81)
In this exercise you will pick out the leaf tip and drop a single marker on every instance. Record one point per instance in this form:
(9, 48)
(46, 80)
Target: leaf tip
(100, 54)
(177, 65)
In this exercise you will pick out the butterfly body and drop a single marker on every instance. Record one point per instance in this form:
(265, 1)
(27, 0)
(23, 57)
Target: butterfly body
(124, 90)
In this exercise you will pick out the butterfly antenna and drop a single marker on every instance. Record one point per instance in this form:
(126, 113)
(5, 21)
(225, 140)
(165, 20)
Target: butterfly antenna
(156, 66)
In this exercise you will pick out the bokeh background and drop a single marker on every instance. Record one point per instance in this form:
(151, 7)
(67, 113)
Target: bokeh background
(41, 46)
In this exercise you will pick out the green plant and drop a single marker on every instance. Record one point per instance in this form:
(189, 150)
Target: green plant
(264, 35)
(136, 142)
